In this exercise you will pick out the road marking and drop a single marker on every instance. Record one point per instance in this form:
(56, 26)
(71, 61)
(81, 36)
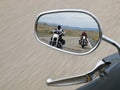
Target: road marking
(89, 43)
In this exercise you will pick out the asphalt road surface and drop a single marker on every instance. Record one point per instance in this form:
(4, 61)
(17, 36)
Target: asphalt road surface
(26, 64)
(72, 44)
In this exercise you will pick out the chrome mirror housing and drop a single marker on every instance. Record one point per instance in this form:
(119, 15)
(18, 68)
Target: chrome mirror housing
(73, 31)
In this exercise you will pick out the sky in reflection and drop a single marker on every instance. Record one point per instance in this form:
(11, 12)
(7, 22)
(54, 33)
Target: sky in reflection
(70, 19)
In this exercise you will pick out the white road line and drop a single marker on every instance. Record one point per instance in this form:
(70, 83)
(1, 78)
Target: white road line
(89, 43)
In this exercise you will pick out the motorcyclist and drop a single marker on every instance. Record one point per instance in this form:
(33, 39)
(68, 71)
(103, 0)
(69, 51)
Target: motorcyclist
(60, 32)
(84, 36)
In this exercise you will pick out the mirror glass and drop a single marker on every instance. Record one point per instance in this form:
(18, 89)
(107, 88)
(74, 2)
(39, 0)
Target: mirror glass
(72, 32)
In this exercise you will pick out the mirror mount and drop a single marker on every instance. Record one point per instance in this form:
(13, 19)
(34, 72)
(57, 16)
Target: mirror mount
(47, 22)
(112, 42)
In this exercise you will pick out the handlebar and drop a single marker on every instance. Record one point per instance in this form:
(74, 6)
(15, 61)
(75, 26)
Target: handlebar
(99, 70)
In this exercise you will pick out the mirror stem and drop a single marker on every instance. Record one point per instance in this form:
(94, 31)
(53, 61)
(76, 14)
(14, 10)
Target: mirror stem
(112, 42)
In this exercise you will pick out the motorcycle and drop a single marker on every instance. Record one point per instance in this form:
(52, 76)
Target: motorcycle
(55, 40)
(105, 76)
(83, 42)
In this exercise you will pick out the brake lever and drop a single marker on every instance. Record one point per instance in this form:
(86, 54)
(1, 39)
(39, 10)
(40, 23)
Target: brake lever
(98, 71)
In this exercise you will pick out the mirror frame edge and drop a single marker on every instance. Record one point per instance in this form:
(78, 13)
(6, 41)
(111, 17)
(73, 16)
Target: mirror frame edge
(70, 10)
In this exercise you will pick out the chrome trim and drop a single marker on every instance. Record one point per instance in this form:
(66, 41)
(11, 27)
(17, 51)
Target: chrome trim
(70, 10)
(79, 79)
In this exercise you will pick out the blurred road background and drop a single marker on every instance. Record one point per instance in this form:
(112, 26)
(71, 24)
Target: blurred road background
(25, 64)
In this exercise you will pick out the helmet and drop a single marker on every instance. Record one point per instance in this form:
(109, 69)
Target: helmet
(59, 27)
(83, 32)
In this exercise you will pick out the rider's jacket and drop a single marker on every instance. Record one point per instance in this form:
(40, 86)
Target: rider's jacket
(59, 32)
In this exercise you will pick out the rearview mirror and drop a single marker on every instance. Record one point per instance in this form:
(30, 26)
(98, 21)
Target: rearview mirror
(72, 31)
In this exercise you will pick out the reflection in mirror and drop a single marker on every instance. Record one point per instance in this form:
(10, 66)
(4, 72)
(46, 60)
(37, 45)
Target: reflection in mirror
(70, 31)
